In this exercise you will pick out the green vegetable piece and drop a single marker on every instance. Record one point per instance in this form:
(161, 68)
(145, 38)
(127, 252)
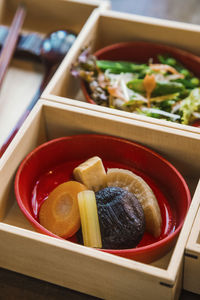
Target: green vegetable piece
(121, 66)
(174, 96)
(136, 85)
(185, 72)
(171, 61)
(188, 83)
(167, 60)
(165, 102)
(162, 88)
(194, 81)
(167, 105)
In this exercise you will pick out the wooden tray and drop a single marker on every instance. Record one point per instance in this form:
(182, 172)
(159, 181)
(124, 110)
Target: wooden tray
(24, 77)
(70, 265)
(108, 27)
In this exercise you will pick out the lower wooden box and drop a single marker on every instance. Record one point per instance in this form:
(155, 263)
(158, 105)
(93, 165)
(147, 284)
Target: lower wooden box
(74, 266)
(192, 258)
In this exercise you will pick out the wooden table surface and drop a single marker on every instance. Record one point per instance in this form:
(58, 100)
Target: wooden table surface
(15, 286)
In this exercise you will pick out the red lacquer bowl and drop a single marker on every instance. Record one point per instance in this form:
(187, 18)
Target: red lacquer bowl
(141, 52)
(53, 162)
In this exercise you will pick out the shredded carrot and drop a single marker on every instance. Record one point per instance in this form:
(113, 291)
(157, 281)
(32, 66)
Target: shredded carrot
(115, 92)
(102, 80)
(149, 84)
(167, 68)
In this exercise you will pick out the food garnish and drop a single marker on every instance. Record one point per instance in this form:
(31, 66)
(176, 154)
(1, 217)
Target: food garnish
(89, 219)
(59, 213)
(162, 90)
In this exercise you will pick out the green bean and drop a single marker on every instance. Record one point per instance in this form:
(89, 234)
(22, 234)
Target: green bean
(121, 66)
(161, 88)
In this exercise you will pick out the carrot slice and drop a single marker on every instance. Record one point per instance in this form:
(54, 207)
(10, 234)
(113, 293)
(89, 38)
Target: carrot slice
(59, 213)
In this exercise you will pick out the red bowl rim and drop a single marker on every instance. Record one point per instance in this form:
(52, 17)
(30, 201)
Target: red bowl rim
(138, 250)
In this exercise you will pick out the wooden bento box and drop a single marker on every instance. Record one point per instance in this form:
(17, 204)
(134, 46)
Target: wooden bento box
(109, 27)
(26, 74)
(74, 266)
(192, 258)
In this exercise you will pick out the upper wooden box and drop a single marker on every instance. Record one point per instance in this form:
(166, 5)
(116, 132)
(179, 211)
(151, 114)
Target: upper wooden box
(108, 27)
(74, 266)
(26, 75)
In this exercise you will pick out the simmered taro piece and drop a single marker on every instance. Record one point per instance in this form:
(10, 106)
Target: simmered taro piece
(121, 218)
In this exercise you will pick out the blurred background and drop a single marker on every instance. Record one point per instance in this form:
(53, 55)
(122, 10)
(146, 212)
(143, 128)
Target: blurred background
(176, 10)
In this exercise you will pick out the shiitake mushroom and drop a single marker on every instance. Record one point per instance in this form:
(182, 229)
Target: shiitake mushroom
(121, 218)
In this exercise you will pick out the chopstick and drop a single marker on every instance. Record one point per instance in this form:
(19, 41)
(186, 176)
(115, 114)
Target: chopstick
(11, 41)
(26, 111)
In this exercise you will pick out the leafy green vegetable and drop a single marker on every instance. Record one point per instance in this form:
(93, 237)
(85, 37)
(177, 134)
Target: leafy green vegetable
(190, 105)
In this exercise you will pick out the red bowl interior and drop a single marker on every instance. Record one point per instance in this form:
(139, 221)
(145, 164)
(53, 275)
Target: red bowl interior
(69, 151)
(141, 52)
